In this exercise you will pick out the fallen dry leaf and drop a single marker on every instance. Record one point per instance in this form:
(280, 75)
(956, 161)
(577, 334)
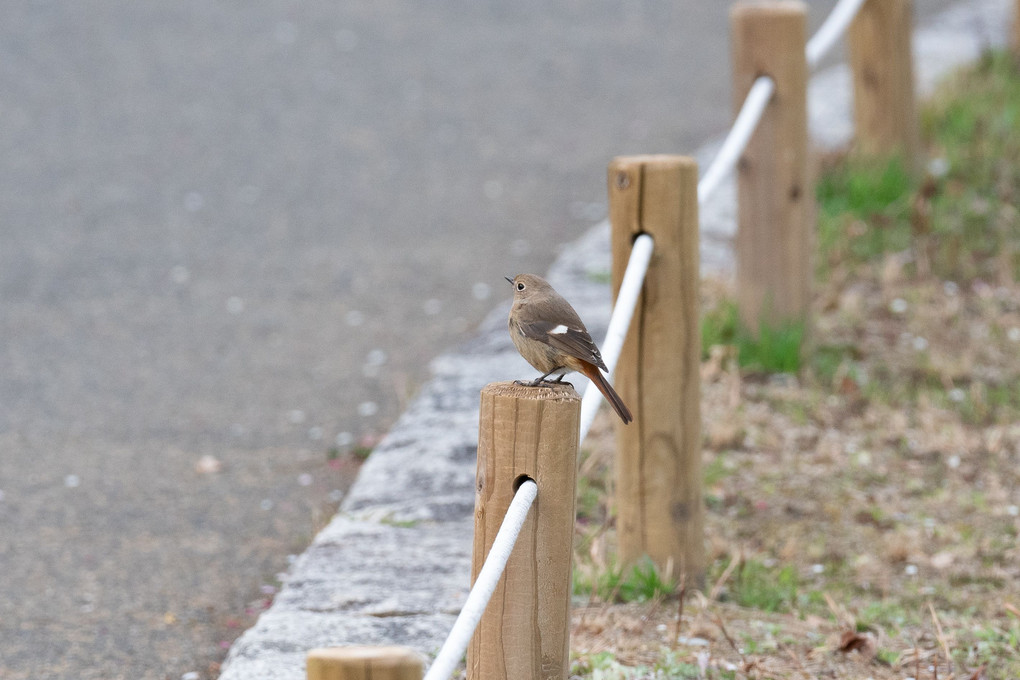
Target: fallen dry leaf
(862, 643)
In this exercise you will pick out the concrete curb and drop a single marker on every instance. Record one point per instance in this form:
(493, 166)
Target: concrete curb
(393, 565)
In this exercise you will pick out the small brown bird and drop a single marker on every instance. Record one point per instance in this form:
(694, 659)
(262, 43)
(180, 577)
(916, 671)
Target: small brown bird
(550, 336)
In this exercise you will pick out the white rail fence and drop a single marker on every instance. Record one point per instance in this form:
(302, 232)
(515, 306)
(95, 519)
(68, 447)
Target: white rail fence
(744, 125)
(746, 122)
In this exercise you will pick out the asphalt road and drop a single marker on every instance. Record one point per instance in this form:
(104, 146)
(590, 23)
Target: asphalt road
(241, 230)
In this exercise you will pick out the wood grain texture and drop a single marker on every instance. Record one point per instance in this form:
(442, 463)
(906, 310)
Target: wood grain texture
(658, 457)
(532, 432)
(364, 663)
(879, 44)
(775, 224)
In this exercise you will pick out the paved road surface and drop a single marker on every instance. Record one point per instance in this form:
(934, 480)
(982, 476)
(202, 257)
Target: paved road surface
(241, 230)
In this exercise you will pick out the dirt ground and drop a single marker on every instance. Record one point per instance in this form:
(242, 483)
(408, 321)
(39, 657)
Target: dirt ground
(873, 501)
(862, 511)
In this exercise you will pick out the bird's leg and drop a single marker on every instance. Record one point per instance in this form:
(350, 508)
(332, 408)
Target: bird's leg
(559, 379)
(542, 380)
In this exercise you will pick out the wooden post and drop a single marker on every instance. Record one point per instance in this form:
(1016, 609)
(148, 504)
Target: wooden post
(658, 457)
(774, 189)
(364, 663)
(526, 432)
(1015, 42)
(881, 59)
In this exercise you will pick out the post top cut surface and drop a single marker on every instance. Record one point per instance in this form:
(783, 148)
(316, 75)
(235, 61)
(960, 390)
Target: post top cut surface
(366, 653)
(377, 656)
(563, 392)
(667, 160)
(773, 8)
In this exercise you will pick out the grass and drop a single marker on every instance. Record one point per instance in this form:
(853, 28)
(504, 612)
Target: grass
(772, 349)
(863, 207)
(640, 583)
(768, 589)
(863, 513)
(961, 219)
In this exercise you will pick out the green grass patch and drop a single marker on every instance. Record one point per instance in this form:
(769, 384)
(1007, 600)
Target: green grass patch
(863, 210)
(605, 666)
(961, 220)
(774, 349)
(591, 495)
(719, 326)
(771, 589)
(883, 614)
(640, 583)
(716, 470)
(770, 350)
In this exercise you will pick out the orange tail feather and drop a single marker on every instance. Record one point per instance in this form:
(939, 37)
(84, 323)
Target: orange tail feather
(595, 375)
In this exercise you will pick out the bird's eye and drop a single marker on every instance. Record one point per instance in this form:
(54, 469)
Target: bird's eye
(520, 286)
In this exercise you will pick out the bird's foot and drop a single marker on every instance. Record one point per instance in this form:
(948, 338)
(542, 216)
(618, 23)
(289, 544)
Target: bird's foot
(558, 381)
(541, 382)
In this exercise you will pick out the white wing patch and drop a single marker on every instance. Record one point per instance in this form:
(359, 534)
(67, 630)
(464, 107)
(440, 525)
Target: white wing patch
(559, 330)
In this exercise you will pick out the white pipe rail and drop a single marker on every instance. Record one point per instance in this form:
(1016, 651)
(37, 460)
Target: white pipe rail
(831, 30)
(739, 135)
(623, 312)
(488, 578)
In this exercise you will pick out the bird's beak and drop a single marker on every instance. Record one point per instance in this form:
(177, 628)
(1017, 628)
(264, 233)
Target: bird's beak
(509, 279)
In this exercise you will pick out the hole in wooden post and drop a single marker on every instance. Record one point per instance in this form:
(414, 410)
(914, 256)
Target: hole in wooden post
(520, 480)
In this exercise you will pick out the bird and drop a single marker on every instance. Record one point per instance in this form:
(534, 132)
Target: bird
(550, 336)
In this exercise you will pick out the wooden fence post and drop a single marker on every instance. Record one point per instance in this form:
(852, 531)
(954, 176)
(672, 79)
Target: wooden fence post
(364, 663)
(774, 188)
(658, 457)
(526, 432)
(1016, 29)
(881, 59)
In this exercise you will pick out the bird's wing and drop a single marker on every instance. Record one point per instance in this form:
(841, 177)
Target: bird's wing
(570, 339)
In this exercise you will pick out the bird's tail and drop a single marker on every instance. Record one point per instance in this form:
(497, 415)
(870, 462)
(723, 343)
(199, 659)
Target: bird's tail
(595, 375)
